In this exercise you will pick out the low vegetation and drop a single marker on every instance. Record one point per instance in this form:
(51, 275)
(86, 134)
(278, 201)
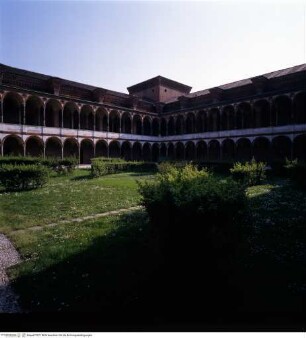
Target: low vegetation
(249, 173)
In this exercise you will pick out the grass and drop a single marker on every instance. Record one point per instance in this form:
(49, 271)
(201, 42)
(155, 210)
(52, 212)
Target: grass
(108, 265)
(67, 197)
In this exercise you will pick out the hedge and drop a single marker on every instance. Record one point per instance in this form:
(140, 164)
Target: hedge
(296, 171)
(249, 173)
(100, 167)
(24, 176)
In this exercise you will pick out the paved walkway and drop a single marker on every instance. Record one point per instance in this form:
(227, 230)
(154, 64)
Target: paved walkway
(8, 257)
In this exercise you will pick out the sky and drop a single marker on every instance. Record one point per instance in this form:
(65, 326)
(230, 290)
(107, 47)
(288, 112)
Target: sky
(116, 44)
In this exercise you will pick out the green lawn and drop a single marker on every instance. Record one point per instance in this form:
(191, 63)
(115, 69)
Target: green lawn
(67, 197)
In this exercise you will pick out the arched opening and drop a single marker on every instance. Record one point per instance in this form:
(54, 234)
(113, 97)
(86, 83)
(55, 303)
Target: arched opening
(34, 147)
(201, 151)
(114, 122)
(190, 151)
(179, 125)
(171, 128)
(126, 123)
(71, 116)
(34, 111)
(163, 127)
(244, 116)
(126, 151)
(281, 148)
(163, 152)
(101, 119)
(71, 148)
(53, 114)
(86, 151)
(114, 149)
(155, 152)
(214, 150)
(137, 125)
(147, 126)
(261, 149)
(146, 152)
(136, 151)
(101, 149)
(171, 151)
(190, 123)
(299, 148)
(299, 108)
(13, 145)
(54, 147)
(155, 127)
(261, 114)
(180, 151)
(228, 150)
(282, 111)
(201, 122)
(228, 118)
(243, 150)
(12, 108)
(214, 119)
(87, 118)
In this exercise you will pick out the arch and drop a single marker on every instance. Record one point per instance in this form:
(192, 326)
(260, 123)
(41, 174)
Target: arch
(171, 127)
(86, 151)
(101, 149)
(137, 125)
(228, 150)
(171, 151)
(190, 123)
(71, 116)
(114, 121)
(155, 127)
(13, 145)
(155, 152)
(244, 116)
(34, 111)
(190, 151)
(54, 147)
(163, 127)
(179, 151)
(71, 148)
(281, 148)
(179, 125)
(201, 122)
(163, 151)
(214, 119)
(126, 123)
(243, 150)
(214, 150)
(228, 118)
(126, 150)
(299, 108)
(299, 148)
(101, 119)
(281, 112)
(147, 152)
(114, 149)
(261, 114)
(34, 146)
(201, 149)
(262, 149)
(87, 118)
(147, 126)
(136, 151)
(53, 113)
(12, 108)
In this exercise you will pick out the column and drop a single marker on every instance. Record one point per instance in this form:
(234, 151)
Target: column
(24, 112)
(44, 115)
(120, 116)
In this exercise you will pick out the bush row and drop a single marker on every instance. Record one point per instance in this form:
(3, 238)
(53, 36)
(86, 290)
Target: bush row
(100, 167)
(23, 176)
(249, 173)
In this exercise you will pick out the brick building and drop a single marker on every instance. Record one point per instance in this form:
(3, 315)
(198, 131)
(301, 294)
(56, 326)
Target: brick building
(263, 116)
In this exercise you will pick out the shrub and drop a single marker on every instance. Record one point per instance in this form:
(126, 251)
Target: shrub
(296, 171)
(249, 173)
(25, 176)
(191, 210)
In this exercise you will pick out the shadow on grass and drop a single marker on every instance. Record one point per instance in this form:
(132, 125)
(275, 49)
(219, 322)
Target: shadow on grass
(82, 177)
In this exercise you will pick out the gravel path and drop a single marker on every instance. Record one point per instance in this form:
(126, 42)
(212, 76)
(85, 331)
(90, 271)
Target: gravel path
(8, 257)
(80, 219)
